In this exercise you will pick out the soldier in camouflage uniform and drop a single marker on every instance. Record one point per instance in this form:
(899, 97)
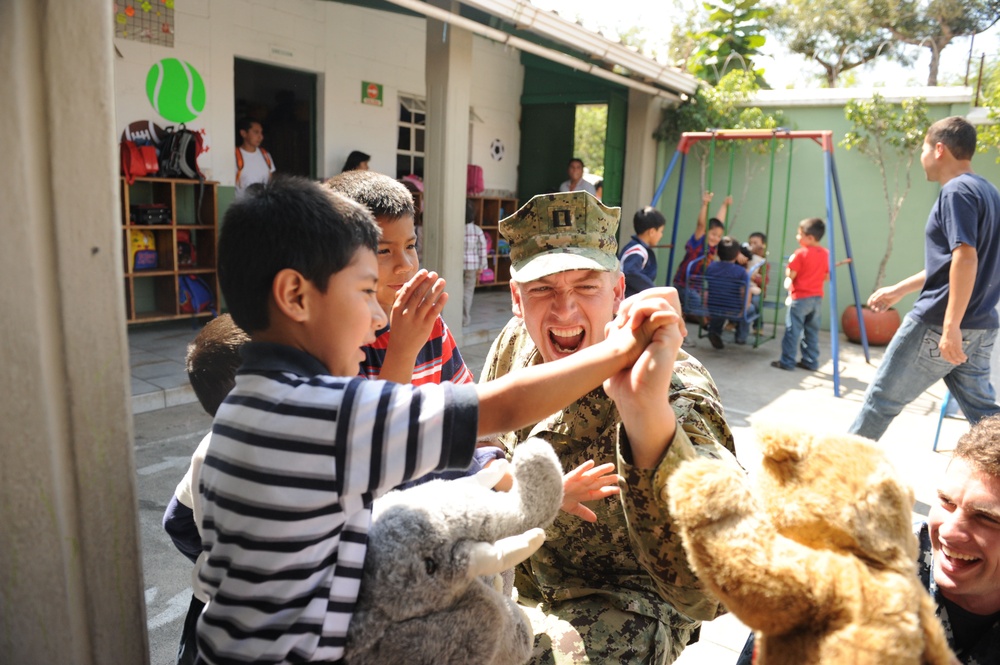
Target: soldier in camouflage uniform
(618, 590)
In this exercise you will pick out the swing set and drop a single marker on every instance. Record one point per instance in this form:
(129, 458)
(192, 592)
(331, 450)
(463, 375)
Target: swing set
(824, 139)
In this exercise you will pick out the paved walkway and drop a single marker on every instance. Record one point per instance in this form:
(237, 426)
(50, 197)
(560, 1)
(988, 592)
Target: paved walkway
(752, 392)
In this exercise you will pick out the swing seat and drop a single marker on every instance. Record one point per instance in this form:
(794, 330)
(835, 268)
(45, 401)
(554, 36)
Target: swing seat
(719, 296)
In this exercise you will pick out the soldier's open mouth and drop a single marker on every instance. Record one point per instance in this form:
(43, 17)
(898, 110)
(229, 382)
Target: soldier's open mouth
(567, 340)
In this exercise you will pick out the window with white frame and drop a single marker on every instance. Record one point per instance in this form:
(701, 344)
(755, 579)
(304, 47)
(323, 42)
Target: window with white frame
(412, 127)
(412, 130)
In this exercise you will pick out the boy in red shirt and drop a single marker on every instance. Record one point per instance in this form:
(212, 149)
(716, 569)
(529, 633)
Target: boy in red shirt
(808, 270)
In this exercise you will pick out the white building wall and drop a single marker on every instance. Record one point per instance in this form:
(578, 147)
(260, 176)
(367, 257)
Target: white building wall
(497, 82)
(344, 45)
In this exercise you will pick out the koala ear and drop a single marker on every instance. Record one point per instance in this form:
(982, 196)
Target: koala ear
(490, 559)
(782, 444)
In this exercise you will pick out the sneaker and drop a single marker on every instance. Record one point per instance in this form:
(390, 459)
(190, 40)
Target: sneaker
(716, 340)
(777, 364)
(802, 365)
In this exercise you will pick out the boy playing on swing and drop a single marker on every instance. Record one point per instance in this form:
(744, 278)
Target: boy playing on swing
(702, 244)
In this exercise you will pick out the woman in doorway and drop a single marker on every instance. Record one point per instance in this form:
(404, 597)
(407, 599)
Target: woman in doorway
(357, 161)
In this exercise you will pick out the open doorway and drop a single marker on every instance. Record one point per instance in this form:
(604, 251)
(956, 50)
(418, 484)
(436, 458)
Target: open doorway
(555, 104)
(590, 131)
(284, 101)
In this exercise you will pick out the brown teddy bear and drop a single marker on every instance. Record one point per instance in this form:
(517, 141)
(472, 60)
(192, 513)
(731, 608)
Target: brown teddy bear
(818, 556)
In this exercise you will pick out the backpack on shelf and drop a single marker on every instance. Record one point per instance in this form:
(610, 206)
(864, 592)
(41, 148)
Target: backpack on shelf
(179, 152)
(474, 184)
(194, 295)
(143, 250)
(138, 160)
(187, 253)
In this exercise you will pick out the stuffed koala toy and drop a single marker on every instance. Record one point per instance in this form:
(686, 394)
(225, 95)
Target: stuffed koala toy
(817, 555)
(429, 591)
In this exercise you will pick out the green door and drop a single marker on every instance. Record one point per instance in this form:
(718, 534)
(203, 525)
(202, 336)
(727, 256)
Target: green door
(546, 148)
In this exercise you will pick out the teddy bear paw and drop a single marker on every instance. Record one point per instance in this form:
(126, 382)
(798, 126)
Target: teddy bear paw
(704, 491)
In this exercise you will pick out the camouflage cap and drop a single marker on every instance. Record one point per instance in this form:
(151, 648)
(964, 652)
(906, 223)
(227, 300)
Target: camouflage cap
(554, 233)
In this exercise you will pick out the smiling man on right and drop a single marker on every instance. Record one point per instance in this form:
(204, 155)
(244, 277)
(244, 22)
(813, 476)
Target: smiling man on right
(960, 546)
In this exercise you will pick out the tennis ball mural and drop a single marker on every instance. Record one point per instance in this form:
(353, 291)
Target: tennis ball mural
(175, 90)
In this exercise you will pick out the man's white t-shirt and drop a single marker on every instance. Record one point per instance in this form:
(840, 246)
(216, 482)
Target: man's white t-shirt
(582, 186)
(255, 169)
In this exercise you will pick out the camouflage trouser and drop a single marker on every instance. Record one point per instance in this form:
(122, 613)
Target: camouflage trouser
(589, 630)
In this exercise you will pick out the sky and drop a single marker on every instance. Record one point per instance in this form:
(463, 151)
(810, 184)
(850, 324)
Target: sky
(781, 69)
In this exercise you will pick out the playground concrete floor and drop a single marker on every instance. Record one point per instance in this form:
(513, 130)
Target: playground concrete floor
(752, 392)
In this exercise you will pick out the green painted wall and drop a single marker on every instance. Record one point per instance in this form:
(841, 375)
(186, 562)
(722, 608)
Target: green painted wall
(861, 187)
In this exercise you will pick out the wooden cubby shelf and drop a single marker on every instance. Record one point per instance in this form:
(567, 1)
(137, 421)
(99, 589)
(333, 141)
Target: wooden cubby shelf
(151, 294)
(489, 211)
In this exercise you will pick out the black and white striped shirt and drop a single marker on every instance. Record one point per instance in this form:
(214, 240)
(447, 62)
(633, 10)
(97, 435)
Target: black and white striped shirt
(296, 458)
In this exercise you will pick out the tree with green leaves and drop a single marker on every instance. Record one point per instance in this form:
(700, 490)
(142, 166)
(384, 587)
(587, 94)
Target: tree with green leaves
(839, 35)
(731, 40)
(590, 133)
(935, 24)
(890, 136)
(989, 135)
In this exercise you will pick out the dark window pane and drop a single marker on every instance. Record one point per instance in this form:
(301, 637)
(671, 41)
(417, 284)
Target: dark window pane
(402, 165)
(418, 139)
(419, 119)
(418, 166)
(404, 139)
(404, 115)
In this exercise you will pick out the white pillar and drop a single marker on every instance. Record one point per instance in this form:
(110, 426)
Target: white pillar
(70, 570)
(644, 113)
(449, 85)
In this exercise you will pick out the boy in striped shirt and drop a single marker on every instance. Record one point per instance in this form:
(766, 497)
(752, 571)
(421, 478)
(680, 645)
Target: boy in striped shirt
(302, 446)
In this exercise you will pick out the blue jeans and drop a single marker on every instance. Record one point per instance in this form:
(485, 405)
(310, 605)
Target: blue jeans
(802, 329)
(717, 323)
(913, 363)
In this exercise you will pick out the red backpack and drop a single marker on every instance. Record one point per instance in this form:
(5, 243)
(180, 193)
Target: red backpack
(138, 160)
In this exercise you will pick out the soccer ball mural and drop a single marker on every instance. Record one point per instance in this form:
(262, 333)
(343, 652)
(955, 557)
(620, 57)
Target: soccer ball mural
(496, 150)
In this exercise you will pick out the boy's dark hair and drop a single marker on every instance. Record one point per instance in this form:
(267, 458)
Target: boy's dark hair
(716, 223)
(576, 159)
(383, 196)
(758, 234)
(470, 212)
(814, 227)
(980, 446)
(648, 218)
(957, 134)
(729, 248)
(244, 125)
(289, 222)
(212, 360)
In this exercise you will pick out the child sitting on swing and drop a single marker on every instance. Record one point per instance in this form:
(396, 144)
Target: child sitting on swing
(728, 299)
(702, 245)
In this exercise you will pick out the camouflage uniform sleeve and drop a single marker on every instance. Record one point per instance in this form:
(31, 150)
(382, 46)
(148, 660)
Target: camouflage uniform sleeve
(702, 432)
(505, 356)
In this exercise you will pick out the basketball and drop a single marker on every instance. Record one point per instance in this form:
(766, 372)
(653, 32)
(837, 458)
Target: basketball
(143, 132)
(175, 90)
